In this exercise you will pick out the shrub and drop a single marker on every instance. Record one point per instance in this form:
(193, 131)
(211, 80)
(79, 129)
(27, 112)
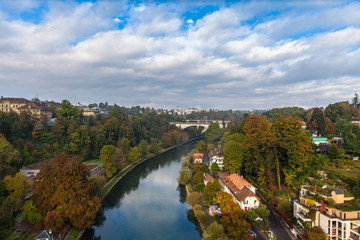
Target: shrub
(193, 198)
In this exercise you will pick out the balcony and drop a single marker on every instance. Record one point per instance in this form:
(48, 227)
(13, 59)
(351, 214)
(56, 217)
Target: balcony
(304, 216)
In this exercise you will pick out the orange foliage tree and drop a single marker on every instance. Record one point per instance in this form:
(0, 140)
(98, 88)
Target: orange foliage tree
(62, 187)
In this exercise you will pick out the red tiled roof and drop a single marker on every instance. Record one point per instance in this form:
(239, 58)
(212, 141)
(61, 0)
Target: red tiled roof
(239, 181)
(198, 155)
(244, 193)
(35, 105)
(223, 175)
(14, 100)
(208, 178)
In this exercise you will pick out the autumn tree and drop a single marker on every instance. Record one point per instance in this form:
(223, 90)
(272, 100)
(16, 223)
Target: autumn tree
(198, 177)
(134, 154)
(154, 148)
(105, 155)
(9, 158)
(213, 133)
(232, 216)
(144, 148)
(18, 187)
(62, 187)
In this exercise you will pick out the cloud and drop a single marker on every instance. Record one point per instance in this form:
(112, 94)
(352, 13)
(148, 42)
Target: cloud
(241, 56)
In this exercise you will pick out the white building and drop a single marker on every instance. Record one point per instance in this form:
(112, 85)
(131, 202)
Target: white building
(217, 156)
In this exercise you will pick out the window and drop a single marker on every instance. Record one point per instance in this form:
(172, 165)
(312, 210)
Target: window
(254, 201)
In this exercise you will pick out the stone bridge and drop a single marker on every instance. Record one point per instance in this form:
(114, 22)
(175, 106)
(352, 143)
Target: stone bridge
(200, 123)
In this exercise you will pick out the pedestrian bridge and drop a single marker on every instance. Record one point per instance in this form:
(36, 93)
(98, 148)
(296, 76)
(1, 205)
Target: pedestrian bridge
(200, 123)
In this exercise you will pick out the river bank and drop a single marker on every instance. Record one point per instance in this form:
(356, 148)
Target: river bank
(113, 182)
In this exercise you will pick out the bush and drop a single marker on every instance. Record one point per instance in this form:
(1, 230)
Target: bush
(154, 148)
(73, 235)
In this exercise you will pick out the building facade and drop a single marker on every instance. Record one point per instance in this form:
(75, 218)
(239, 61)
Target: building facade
(12, 104)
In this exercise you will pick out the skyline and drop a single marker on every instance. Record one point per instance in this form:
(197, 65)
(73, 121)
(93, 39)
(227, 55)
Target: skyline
(164, 54)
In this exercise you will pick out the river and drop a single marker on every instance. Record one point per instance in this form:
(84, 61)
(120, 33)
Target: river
(148, 203)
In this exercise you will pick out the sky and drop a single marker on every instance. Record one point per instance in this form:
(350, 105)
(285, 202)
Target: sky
(165, 54)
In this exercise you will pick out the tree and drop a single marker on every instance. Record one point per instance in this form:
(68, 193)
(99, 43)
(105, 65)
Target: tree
(233, 156)
(231, 217)
(68, 111)
(9, 158)
(30, 212)
(96, 185)
(210, 191)
(214, 232)
(144, 148)
(200, 187)
(154, 148)
(198, 177)
(184, 175)
(251, 215)
(62, 187)
(355, 100)
(215, 168)
(213, 133)
(263, 212)
(316, 233)
(193, 198)
(134, 154)
(18, 186)
(106, 155)
(333, 152)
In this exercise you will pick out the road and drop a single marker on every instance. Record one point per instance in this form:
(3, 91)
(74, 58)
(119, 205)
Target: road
(281, 232)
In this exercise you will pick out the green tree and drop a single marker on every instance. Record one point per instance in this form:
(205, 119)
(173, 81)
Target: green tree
(215, 168)
(154, 148)
(355, 100)
(60, 181)
(333, 152)
(316, 233)
(210, 191)
(213, 133)
(144, 148)
(263, 212)
(184, 175)
(106, 155)
(200, 187)
(214, 232)
(233, 156)
(251, 215)
(198, 177)
(30, 212)
(68, 111)
(17, 186)
(134, 154)
(9, 158)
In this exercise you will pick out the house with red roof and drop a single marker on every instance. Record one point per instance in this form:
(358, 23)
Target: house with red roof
(198, 157)
(243, 193)
(208, 178)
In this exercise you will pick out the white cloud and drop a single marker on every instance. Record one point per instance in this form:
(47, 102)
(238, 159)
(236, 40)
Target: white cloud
(242, 56)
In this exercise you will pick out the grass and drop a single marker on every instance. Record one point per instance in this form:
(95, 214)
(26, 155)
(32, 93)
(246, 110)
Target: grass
(341, 172)
(73, 234)
(95, 161)
(13, 237)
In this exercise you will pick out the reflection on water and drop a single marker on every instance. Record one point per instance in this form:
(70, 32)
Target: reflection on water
(148, 203)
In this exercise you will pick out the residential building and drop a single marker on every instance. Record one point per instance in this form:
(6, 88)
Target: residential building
(208, 178)
(38, 109)
(318, 140)
(217, 156)
(355, 120)
(243, 193)
(12, 104)
(198, 157)
(340, 221)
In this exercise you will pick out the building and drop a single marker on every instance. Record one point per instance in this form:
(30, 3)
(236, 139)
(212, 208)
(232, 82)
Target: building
(217, 156)
(318, 140)
(243, 193)
(198, 157)
(38, 109)
(181, 112)
(12, 104)
(208, 178)
(355, 120)
(340, 221)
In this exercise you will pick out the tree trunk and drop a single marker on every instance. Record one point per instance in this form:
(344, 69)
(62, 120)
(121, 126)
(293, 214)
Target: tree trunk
(277, 167)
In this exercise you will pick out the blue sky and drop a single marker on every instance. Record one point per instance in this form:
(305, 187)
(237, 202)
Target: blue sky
(164, 54)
